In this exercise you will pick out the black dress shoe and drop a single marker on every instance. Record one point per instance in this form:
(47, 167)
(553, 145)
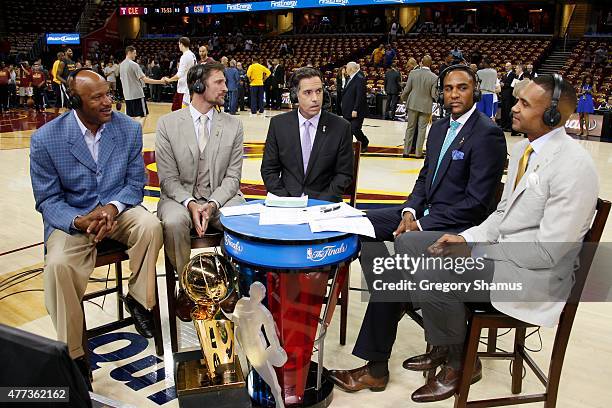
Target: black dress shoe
(143, 319)
(364, 147)
(85, 370)
(435, 358)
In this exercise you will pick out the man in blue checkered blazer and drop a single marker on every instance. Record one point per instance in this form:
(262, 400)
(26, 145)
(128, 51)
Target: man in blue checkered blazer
(88, 177)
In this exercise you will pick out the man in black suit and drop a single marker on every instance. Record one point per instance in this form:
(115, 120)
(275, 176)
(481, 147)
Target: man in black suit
(308, 151)
(354, 103)
(506, 98)
(454, 191)
(393, 87)
(278, 75)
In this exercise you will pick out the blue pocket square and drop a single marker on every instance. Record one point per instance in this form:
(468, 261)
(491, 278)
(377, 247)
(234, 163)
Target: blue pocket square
(457, 155)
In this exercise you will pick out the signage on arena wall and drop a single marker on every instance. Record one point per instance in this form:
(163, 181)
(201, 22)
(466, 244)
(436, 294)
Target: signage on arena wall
(63, 38)
(267, 6)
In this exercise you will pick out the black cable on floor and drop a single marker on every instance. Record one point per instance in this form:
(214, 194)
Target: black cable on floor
(21, 291)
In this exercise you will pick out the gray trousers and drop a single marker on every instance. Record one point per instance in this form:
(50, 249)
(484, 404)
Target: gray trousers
(177, 225)
(444, 312)
(414, 119)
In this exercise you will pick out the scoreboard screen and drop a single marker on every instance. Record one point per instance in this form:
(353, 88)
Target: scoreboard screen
(133, 11)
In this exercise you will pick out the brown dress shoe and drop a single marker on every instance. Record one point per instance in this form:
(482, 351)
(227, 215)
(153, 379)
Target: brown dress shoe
(445, 384)
(358, 379)
(183, 306)
(428, 361)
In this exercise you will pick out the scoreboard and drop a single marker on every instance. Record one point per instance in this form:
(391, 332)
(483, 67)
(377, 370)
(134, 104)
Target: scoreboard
(144, 11)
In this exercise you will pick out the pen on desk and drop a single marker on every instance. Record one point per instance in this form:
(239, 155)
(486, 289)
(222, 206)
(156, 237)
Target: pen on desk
(329, 209)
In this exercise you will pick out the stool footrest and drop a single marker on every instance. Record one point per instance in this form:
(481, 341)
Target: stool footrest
(105, 328)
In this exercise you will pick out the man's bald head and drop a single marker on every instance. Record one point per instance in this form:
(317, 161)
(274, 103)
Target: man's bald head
(426, 61)
(83, 81)
(95, 107)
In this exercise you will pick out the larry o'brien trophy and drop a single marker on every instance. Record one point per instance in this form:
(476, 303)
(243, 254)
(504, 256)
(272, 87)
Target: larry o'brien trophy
(210, 281)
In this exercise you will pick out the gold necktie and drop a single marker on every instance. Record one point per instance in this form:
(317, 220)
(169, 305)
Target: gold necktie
(203, 133)
(522, 166)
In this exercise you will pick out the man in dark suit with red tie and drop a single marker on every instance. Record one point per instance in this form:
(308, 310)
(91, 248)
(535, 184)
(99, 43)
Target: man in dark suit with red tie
(455, 190)
(308, 151)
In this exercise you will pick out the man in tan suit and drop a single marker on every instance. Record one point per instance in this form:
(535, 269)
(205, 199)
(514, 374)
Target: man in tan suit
(199, 162)
(419, 94)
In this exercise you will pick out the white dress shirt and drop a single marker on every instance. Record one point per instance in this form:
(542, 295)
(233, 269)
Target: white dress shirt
(314, 121)
(196, 116)
(462, 120)
(93, 145)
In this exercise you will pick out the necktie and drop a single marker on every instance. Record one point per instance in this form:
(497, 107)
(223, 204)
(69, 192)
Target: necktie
(522, 166)
(203, 133)
(306, 145)
(448, 140)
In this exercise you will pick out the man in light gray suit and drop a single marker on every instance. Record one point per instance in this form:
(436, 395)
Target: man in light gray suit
(529, 246)
(419, 94)
(199, 163)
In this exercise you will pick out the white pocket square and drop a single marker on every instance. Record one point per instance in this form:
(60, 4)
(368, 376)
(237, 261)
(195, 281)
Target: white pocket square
(533, 182)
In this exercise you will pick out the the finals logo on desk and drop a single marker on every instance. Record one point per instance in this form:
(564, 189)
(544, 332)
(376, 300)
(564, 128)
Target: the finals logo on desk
(320, 254)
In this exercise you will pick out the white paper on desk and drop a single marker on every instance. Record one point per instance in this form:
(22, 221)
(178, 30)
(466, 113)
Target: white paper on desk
(283, 216)
(272, 200)
(242, 209)
(316, 212)
(353, 225)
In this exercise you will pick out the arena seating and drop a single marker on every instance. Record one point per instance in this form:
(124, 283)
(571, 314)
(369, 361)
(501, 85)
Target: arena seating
(582, 61)
(40, 16)
(513, 49)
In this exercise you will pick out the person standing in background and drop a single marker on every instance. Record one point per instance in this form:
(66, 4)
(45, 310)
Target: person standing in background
(4, 93)
(585, 104)
(355, 103)
(242, 86)
(507, 83)
(392, 88)
(232, 78)
(188, 60)
(39, 83)
(257, 73)
(488, 80)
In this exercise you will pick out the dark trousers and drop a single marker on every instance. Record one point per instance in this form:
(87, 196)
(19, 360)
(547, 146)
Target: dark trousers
(277, 99)
(392, 100)
(232, 100)
(156, 92)
(257, 99)
(38, 97)
(506, 113)
(356, 124)
(4, 102)
(444, 313)
(241, 93)
(379, 326)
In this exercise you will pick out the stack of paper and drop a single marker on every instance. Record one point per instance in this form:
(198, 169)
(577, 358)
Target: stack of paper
(273, 200)
(241, 209)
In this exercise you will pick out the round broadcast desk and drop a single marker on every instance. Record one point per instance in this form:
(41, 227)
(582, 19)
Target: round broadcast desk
(296, 266)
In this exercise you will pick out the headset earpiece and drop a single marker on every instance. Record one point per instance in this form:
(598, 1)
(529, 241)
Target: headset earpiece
(198, 86)
(74, 100)
(552, 116)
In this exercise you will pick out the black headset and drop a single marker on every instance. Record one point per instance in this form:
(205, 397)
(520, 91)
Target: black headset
(552, 116)
(194, 77)
(477, 94)
(74, 100)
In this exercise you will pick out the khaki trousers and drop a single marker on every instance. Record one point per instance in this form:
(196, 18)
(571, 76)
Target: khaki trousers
(177, 224)
(70, 260)
(414, 119)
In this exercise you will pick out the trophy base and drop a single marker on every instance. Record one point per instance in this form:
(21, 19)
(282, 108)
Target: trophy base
(312, 398)
(192, 393)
